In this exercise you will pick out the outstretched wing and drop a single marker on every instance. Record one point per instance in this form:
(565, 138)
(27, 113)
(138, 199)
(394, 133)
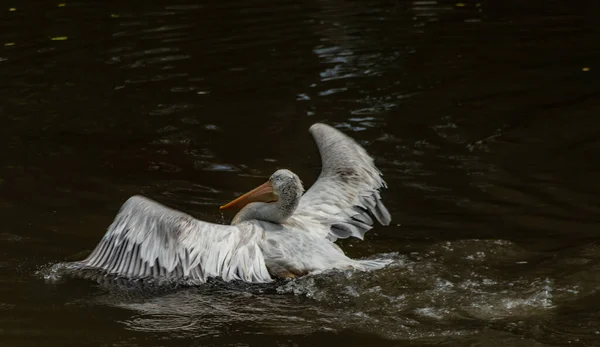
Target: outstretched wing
(150, 241)
(346, 194)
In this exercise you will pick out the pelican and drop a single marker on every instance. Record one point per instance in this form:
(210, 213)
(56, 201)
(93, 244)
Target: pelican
(279, 232)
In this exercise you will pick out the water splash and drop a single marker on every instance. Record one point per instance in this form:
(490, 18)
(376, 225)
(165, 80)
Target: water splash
(421, 295)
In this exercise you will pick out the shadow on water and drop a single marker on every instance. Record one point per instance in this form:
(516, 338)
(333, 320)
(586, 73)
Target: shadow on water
(480, 114)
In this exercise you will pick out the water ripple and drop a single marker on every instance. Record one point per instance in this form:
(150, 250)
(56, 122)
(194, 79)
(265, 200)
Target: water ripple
(454, 283)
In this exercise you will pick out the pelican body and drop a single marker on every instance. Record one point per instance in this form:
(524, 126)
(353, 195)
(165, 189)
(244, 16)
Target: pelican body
(279, 231)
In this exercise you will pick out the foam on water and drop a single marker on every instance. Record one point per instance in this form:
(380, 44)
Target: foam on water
(450, 289)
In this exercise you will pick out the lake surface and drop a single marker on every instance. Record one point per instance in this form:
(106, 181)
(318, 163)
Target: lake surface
(484, 118)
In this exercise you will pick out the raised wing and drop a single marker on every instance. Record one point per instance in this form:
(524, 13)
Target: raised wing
(150, 241)
(346, 194)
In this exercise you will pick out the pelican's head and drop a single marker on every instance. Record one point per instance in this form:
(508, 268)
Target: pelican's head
(287, 187)
(274, 200)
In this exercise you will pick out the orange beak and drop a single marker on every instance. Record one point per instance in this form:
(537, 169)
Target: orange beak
(263, 193)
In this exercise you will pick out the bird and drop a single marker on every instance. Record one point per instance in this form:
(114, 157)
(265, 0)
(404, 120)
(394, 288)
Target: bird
(280, 231)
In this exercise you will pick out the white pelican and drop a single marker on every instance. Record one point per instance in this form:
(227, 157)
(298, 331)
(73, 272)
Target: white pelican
(279, 232)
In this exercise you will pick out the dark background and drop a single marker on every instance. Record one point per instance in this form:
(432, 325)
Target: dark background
(483, 117)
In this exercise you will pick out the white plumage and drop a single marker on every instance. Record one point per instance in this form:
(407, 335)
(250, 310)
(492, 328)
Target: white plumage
(148, 239)
(278, 233)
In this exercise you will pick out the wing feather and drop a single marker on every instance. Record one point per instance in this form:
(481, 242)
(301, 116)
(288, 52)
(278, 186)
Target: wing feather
(347, 193)
(150, 241)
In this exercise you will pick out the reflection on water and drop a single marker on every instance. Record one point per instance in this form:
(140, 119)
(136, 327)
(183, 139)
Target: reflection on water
(450, 289)
(481, 115)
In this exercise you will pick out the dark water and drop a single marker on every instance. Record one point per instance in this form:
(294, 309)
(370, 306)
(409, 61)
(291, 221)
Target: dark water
(483, 117)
